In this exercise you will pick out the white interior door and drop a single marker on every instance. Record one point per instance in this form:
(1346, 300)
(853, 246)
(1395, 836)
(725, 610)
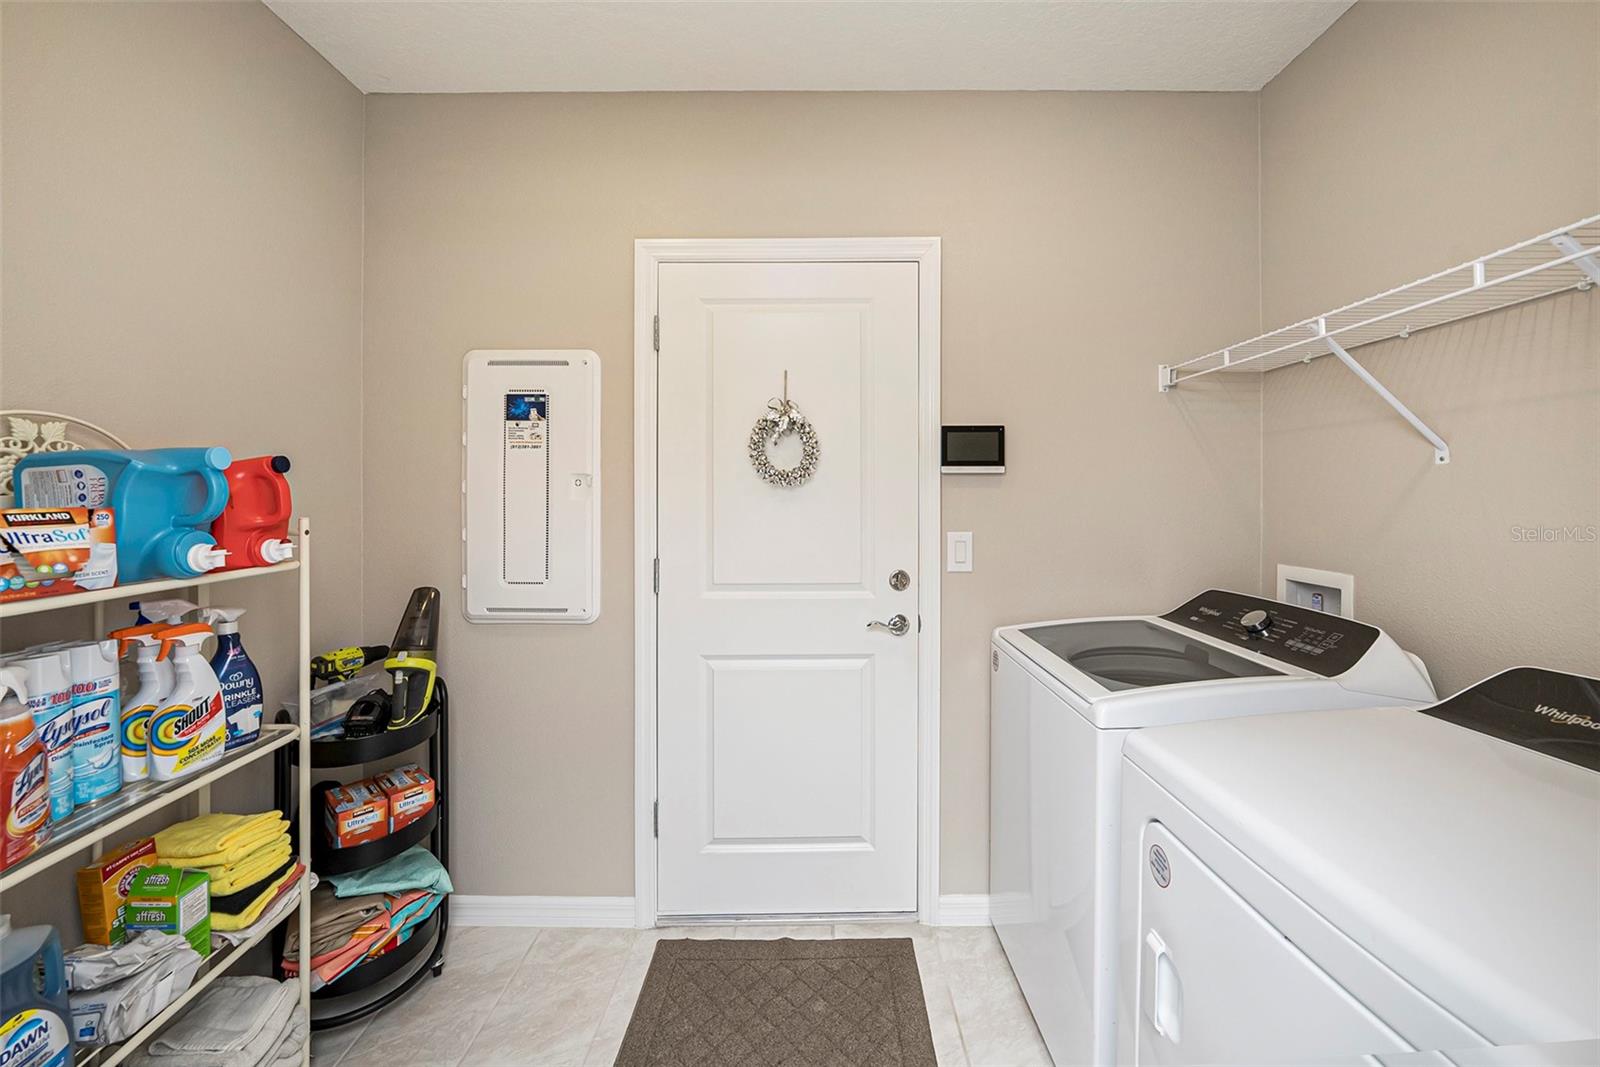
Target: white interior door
(787, 728)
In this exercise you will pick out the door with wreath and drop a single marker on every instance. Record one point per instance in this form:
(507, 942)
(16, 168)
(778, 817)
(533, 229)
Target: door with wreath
(787, 527)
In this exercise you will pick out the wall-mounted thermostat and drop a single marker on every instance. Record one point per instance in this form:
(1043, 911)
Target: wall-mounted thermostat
(972, 449)
(530, 485)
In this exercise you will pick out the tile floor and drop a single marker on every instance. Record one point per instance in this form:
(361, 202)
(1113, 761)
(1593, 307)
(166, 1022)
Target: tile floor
(518, 997)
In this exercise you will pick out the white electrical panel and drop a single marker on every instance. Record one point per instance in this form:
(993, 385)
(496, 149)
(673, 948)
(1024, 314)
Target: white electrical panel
(530, 485)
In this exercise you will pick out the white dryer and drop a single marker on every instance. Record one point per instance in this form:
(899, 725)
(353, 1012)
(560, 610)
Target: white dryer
(1299, 887)
(1064, 696)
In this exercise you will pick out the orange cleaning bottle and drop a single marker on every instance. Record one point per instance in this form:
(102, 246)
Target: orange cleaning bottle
(254, 526)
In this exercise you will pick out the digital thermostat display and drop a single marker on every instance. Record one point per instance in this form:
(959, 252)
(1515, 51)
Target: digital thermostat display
(972, 449)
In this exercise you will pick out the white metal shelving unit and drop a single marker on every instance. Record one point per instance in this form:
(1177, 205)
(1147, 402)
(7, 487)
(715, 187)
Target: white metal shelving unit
(91, 828)
(1555, 262)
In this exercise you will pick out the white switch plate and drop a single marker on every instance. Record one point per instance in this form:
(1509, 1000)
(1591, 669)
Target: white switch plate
(958, 551)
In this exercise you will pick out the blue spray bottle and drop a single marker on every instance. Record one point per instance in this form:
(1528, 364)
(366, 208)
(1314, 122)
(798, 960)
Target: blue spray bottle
(241, 682)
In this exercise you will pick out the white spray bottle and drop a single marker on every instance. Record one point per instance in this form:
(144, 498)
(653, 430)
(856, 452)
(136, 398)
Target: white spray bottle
(155, 678)
(188, 730)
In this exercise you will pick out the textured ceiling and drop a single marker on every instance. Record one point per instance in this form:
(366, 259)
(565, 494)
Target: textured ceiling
(423, 46)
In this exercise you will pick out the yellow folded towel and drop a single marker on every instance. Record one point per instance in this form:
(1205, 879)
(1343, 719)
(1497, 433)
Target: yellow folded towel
(250, 870)
(218, 839)
(223, 921)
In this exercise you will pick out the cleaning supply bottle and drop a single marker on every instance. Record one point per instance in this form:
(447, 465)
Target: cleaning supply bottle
(188, 730)
(96, 721)
(49, 682)
(168, 612)
(240, 681)
(254, 527)
(24, 774)
(155, 679)
(35, 1025)
(164, 501)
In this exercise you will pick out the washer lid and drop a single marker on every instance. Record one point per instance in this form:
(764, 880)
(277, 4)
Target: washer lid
(1467, 863)
(1138, 654)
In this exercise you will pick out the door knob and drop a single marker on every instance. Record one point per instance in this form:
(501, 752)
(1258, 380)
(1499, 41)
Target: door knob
(899, 625)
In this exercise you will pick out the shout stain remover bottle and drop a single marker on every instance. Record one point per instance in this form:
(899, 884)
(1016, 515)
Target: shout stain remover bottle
(188, 730)
(154, 686)
(24, 791)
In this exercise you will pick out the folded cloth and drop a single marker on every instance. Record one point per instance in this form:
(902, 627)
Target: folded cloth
(221, 920)
(415, 868)
(236, 1022)
(287, 900)
(217, 839)
(374, 937)
(333, 920)
(290, 1044)
(241, 874)
(237, 901)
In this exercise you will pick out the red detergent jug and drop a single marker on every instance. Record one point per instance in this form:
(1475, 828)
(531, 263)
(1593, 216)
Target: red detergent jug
(254, 527)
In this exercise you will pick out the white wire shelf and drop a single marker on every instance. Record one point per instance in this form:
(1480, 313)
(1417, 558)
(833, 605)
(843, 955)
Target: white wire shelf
(1554, 262)
(215, 966)
(137, 590)
(133, 802)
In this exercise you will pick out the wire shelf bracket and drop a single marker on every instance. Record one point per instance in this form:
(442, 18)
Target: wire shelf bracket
(1562, 260)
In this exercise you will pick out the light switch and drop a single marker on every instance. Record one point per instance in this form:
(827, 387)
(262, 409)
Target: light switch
(958, 551)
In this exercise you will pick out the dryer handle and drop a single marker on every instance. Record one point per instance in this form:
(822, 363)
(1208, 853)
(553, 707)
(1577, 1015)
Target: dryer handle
(1165, 1003)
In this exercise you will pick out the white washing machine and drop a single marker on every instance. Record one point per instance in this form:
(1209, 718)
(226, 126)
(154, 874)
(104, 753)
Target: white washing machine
(1299, 887)
(1064, 696)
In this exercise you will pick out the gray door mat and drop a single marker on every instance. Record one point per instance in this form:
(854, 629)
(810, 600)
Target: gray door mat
(787, 1003)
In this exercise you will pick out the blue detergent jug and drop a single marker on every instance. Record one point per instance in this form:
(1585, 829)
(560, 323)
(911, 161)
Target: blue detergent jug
(163, 501)
(35, 1014)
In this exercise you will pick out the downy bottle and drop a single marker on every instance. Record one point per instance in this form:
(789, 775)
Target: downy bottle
(241, 682)
(187, 730)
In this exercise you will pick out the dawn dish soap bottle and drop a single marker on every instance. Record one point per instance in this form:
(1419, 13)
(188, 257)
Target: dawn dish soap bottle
(187, 730)
(241, 682)
(35, 1027)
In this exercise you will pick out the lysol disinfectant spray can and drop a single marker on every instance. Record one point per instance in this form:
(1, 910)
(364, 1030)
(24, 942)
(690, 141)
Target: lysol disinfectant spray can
(96, 721)
(50, 700)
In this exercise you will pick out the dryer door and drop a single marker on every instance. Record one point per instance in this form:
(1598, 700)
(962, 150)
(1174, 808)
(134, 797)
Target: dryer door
(1219, 984)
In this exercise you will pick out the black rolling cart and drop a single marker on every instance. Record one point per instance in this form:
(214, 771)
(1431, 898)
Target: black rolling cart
(413, 958)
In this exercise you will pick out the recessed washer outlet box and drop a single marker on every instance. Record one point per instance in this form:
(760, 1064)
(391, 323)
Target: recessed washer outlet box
(1319, 590)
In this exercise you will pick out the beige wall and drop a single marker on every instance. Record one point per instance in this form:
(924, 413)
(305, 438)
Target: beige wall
(181, 234)
(1411, 137)
(1087, 237)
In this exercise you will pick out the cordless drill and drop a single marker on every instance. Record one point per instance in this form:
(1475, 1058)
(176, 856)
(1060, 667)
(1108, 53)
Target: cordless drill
(345, 663)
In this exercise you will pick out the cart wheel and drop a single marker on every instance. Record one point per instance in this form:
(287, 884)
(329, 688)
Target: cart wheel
(438, 970)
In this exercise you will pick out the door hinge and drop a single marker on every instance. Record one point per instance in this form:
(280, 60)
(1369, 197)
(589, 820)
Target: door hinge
(655, 332)
(655, 578)
(655, 819)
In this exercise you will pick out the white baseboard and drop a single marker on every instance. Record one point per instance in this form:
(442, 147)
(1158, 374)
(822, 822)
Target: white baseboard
(541, 911)
(955, 909)
(963, 909)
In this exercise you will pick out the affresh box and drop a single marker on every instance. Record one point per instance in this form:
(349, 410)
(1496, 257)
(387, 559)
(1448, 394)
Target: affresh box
(50, 551)
(174, 900)
(410, 793)
(356, 813)
(103, 889)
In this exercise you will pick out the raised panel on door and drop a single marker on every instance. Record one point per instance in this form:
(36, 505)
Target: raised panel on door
(787, 760)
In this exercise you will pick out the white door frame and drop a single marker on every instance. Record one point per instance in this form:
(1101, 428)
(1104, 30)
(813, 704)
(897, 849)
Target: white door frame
(648, 255)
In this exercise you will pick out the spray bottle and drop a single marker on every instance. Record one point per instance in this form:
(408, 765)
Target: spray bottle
(154, 684)
(49, 682)
(96, 721)
(241, 682)
(170, 612)
(188, 730)
(24, 792)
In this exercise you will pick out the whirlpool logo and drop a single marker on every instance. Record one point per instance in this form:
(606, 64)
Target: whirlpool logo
(1566, 718)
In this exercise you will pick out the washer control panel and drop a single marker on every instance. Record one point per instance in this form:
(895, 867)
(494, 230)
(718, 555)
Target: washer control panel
(1325, 644)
